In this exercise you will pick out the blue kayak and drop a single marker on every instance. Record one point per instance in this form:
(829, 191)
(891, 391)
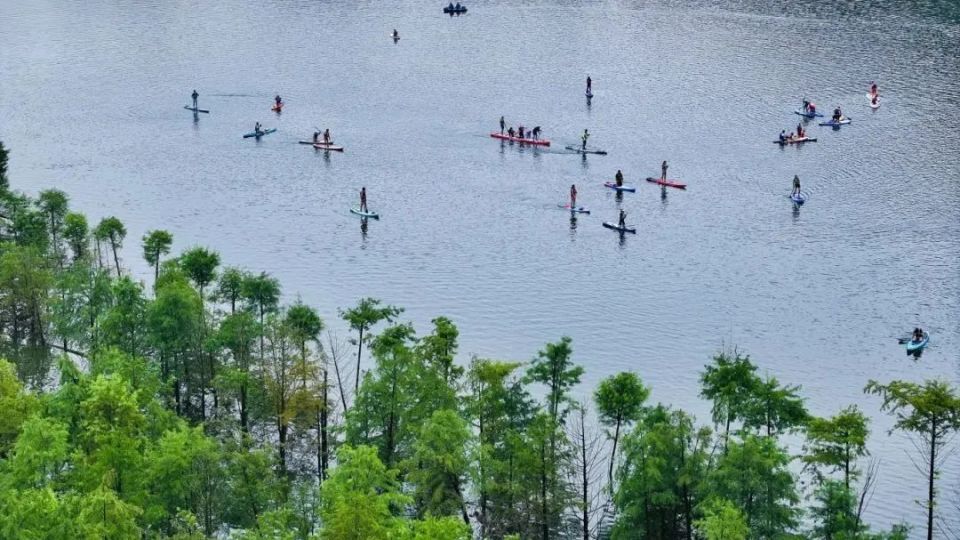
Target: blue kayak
(917, 346)
(807, 114)
(261, 134)
(618, 228)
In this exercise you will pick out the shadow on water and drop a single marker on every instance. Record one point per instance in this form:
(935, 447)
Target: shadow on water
(363, 231)
(618, 197)
(663, 195)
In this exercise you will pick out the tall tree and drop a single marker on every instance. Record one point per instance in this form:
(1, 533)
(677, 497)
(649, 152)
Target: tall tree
(730, 383)
(200, 264)
(111, 230)
(361, 318)
(230, 286)
(835, 444)
(775, 408)
(722, 520)
(262, 293)
(156, 244)
(124, 323)
(930, 411)
(311, 395)
(238, 333)
(587, 457)
(553, 368)
(619, 400)
(77, 234)
(439, 466)
(53, 203)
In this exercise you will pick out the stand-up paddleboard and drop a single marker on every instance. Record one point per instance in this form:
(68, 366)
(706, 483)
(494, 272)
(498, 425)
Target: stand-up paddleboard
(667, 183)
(588, 93)
(872, 104)
(795, 140)
(363, 214)
(580, 150)
(617, 227)
(615, 187)
(807, 114)
(843, 121)
(577, 210)
(535, 142)
(798, 198)
(194, 109)
(261, 134)
(328, 147)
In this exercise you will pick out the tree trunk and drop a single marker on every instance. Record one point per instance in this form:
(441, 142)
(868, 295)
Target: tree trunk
(613, 453)
(356, 386)
(544, 525)
(324, 441)
(586, 481)
(116, 260)
(931, 476)
(244, 421)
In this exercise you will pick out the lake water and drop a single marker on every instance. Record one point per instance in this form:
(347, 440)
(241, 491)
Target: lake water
(91, 97)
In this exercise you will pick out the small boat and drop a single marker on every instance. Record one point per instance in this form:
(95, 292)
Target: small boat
(455, 10)
(795, 140)
(368, 214)
(577, 210)
(260, 134)
(667, 183)
(277, 108)
(832, 123)
(329, 147)
(914, 347)
(808, 114)
(580, 150)
(798, 198)
(535, 142)
(615, 187)
(194, 109)
(617, 227)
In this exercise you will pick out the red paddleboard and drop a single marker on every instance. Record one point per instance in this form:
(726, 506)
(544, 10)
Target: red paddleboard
(505, 137)
(668, 183)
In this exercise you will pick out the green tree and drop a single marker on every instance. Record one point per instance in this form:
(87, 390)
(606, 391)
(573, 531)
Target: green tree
(439, 466)
(77, 234)
(262, 293)
(730, 383)
(111, 230)
(361, 499)
(16, 405)
(722, 521)
(619, 400)
(254, 488)
(775, 408)
(25, 282)
(156, 244)
(238, 333)
(4, 156)
(311, 399)
(40, 454)
(230, 286)
(753, 474)
(53, 203)
(361, 318)
(552, 367)
(834, 513)
(102, 515)
(835, 443)
(174, 324)
(441, 528)
(200, 264)
(124, 323)
(930, 411)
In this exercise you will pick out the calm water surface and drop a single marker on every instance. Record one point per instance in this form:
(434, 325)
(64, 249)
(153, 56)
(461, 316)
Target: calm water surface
(91, 97)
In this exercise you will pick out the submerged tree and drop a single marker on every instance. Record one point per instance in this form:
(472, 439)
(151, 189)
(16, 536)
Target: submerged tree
(361, 318)
(111, 230)
(619, 400)
(156, 244)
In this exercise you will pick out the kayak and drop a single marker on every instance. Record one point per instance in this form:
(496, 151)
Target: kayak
(917, 346)
(619, 228)
(589, 93)
(189, 108)
(580, 150)
(328, 147)
(615, 187)
(261, 134)
(807, 114)
(667, 183)
(363, 214)
(449, 9)
(277, 108)
(577, 210)
(505, 137)
(843, 121)
(795, 140)
(798, 198)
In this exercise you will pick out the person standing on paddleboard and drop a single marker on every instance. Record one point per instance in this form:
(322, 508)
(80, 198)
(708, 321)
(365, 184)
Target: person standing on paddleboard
(316, 135)
(623, 219)
(589, 84)
(663, 171)
(800, 133)
(573, 196)
(194, 95)
(619, 178)
(256, 128)
(363, 199)
(535, 133)
(326, 136)
(503, 124)
(796, 185)
(584, 137)
(873, 89)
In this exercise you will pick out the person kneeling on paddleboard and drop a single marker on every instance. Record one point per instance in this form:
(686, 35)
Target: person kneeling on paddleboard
(619, 178)
(511, 132)
(520, 132)
(783, 136)
(837, 114)
(363, 199)
(316, 135)
(623, 219)
(796, 185)
(573, 196)
(194, 95)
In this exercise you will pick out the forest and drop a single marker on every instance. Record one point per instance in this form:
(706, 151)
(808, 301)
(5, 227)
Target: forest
(202, 405)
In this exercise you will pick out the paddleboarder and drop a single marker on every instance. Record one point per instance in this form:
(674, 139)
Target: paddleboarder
(663, 170)
(873, 89)
(589, 84)
(326, 136)
(623, 219)
(536, 133)
(584, 137)
(520, 132)
(796, 185)
(194, 95)
(619, 178)
(316, 135)
(800, 133)
(256, 128)
(837, 114)
(363, 199)
(396, 35)
(503, 124)
(573, 196)
(279, 101)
